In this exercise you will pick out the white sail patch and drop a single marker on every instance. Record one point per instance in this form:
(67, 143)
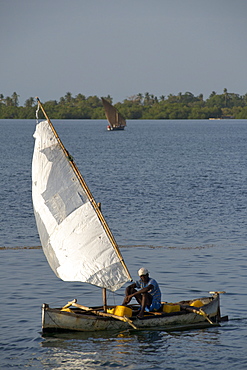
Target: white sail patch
(61, 196)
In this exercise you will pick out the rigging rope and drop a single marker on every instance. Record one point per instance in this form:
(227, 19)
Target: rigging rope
(37, 116)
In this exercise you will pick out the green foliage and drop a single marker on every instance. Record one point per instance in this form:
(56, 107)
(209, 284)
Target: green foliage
(140, 106)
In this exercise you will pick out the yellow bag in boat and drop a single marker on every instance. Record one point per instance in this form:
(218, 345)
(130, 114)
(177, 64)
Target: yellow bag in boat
(66, 310)
(120, 311)
(170, 307)
(197, 303)
(110, 310)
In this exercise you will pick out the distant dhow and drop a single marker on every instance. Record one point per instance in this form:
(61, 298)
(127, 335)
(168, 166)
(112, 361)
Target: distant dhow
(115, 119)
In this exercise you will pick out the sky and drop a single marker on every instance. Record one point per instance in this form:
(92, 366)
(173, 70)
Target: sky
(122, 47)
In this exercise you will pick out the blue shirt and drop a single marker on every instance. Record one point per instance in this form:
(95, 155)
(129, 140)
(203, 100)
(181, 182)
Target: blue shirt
(155, 292)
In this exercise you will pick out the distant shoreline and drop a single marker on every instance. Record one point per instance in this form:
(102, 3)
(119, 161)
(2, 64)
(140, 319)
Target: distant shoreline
(140, 106)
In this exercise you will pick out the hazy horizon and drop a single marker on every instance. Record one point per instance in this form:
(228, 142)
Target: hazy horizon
(122, 48)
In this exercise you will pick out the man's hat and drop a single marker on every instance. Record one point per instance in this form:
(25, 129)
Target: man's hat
(143, 271)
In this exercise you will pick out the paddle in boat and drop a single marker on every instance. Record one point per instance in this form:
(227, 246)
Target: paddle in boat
(79, 246)
(115, 119)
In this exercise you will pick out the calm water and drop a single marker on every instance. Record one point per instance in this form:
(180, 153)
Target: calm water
(175, 196)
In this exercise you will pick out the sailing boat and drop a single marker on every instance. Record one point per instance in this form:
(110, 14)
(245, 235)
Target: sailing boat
(115, 119)
(79, 246)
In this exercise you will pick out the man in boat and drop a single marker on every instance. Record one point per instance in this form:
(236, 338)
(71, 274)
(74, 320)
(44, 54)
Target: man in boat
(149, 295)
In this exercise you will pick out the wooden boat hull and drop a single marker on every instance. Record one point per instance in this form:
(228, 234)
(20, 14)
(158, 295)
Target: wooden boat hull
(117, 128)
(57, 320)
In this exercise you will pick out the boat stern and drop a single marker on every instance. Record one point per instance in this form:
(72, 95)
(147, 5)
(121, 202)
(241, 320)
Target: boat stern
(44, 308)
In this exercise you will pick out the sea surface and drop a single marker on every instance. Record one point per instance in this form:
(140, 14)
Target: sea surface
(174, 194)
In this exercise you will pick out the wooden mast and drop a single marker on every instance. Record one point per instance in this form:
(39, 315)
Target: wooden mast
(104, 298)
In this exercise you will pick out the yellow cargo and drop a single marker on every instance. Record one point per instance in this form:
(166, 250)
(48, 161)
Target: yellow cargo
(66, 310)
(197, 303)
(110, 310)
(120, 311)
(171, 307)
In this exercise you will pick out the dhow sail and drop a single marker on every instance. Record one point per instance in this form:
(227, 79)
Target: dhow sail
(75, 238)
(114, 118)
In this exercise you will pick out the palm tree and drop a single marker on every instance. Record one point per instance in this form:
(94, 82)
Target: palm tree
(68, 97)
(226, 96)
(29, 102)
(8, 101)
(139, 98)
(15, 99)
(80, 97)
(62, 100)
(213, 93)
(147, 98)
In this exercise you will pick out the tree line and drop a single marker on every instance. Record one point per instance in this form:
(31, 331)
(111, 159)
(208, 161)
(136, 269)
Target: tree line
(139, 106)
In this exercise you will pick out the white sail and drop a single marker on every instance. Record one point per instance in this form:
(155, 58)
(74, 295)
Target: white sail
(74, 239)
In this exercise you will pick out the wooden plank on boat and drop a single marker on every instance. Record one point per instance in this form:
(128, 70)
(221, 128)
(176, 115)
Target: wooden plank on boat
(198, 311)
(99, 313)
